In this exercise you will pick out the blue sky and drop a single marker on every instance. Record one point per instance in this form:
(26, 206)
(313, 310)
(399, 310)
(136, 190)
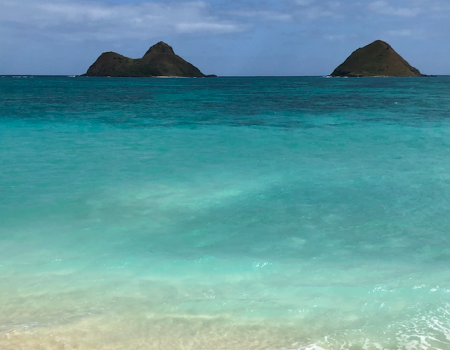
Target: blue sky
(237, 37)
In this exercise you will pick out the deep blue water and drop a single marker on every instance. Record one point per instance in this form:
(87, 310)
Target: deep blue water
(228, 213)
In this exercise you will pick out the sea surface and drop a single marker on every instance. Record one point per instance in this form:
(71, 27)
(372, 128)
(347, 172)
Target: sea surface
(228, 213)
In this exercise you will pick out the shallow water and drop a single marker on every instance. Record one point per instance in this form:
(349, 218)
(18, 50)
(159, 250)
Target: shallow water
(229, 213)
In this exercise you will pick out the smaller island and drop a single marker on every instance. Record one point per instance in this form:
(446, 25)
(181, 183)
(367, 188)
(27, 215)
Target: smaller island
(159, 61)
(377, 59)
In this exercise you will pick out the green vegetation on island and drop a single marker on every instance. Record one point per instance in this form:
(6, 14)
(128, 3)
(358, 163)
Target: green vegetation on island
(159, 61)
(376, 59)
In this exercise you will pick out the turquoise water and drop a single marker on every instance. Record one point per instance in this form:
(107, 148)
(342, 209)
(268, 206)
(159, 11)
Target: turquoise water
(229, 213)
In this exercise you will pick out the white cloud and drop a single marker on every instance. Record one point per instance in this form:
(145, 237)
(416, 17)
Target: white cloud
(305, 2)
(188, 27)
(399, 32)
(266, 15)
(79, 20)
(317, 12)
(335, 37)
(312, 9)
(296, 10)
(384, 7)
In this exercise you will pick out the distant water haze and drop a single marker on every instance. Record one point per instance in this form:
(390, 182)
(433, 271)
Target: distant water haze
(229, 213)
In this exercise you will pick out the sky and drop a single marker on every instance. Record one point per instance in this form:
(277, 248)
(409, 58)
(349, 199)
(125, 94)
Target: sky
(227, 38)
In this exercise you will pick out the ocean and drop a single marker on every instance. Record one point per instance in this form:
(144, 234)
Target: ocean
(230, 213)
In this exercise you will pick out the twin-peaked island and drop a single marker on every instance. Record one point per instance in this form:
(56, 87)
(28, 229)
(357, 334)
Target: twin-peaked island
(375, 59)
(159, 61)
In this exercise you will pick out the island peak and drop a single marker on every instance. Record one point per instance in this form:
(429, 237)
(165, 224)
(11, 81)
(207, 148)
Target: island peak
(376, 59)
(160, 48)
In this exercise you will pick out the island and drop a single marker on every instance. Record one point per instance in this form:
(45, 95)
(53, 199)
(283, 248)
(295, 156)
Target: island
(159, 61)
(376, 59)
